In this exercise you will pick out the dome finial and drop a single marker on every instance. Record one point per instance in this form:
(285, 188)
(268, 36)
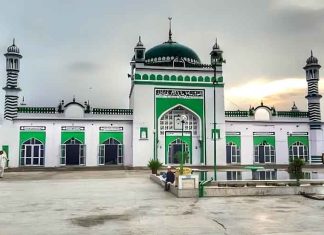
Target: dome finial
(170, 32)
(139, 44)
(216, 46)
(13, 42)
(312, 53)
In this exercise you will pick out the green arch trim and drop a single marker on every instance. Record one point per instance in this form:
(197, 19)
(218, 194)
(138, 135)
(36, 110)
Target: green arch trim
(103, 136)
(145, 77)
(137, 76)
(207, 79)
(66, 135)
(257, 140)
(293, 139)
(234, 139)
(27, 135)
(152, 77)
(175, 78)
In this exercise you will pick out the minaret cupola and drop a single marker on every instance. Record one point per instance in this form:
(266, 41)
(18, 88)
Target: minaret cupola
(139, 51)
(216, 55)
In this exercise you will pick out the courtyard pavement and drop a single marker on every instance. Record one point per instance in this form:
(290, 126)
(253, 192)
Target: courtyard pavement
(127, 202)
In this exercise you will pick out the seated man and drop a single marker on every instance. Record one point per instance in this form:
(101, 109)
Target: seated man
(169, 179)
(3, 162)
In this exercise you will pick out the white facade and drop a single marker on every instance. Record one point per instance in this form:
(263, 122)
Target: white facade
(164, 87)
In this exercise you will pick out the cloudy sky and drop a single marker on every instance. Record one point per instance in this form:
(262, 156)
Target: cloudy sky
(82, 48)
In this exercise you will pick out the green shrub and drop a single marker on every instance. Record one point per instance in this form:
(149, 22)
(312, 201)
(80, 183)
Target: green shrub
(154, 165)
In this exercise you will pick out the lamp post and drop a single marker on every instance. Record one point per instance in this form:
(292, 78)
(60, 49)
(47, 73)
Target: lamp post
(214, 136)
(183, 121)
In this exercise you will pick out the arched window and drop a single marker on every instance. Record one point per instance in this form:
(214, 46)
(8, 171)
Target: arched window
(171, 121)
(32, 153)
(298, 150)
(233, 153)
(264, 153)
(16, 64)
(11, 63)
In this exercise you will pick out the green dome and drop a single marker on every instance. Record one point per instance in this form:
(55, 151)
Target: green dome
(170, 50)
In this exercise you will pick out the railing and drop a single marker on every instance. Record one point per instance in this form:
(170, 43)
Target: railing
(236, 113)
(112, 111)
(292, 114)
(36, 110)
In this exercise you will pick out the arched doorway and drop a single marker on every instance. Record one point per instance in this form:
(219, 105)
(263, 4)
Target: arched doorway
(176, 149)
(173, 134)
(111, 152)
(32, 153)
(73, 152)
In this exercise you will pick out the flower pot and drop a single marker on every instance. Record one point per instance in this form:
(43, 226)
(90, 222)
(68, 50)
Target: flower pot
(154, 171)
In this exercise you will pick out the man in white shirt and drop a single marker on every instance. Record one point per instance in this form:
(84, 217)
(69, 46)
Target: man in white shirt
(3, 162)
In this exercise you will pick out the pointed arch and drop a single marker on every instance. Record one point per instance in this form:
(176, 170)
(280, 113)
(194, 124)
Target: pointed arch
(73, 140)
(111, 141)
(167, 120)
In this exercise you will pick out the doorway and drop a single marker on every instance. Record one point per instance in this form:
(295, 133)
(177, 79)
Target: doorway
(73, 152)
(175, 152)
(111, 152)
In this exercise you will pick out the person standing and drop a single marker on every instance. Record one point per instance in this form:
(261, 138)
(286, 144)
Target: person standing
(169, 179)
(3, 162)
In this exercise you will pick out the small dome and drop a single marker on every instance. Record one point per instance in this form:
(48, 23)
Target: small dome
(13, 48)
(171, 49)
(312, 59)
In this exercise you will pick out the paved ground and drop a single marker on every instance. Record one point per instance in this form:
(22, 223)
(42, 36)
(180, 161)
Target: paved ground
(126, 202)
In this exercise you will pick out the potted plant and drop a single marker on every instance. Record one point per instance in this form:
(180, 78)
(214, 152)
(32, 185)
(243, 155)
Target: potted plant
(154, 165)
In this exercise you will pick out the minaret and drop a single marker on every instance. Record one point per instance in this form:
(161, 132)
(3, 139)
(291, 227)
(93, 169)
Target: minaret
(12, 66)
(139, 51)
(312, 76)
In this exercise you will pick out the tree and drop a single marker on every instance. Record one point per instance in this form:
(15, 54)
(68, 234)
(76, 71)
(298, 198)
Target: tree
(295, 169)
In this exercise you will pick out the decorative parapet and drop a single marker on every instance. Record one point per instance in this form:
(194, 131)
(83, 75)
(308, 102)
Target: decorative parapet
(49, 110)
(292, 114)
(251, 112)
(112, 111)
(177, 80)
(237, 113)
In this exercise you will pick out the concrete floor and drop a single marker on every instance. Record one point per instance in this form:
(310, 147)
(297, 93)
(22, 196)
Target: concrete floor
(126, 202)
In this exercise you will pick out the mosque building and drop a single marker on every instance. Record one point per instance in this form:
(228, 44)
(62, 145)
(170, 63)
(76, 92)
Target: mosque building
(176, 104)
